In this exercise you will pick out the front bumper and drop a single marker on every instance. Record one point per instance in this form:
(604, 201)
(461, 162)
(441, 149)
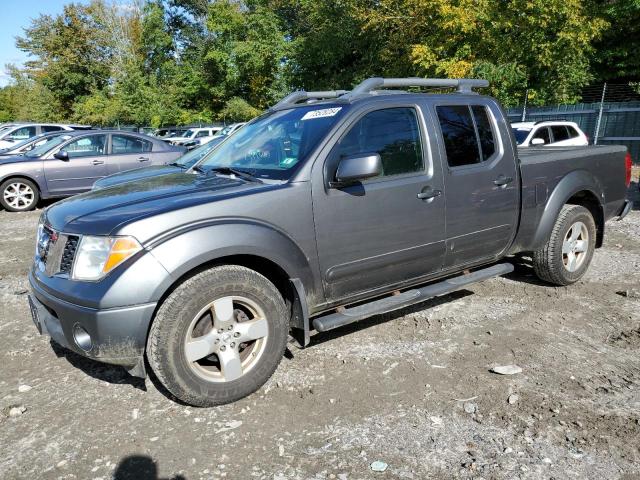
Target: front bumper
(117, 335)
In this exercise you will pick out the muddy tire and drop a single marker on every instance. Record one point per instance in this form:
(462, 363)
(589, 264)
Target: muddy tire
(19, 195)
(218, 336)
(566, 256)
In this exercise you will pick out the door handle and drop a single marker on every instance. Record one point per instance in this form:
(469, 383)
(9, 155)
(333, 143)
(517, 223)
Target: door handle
(502, 181)
(143, 159)
(98, 162)
(429, 193)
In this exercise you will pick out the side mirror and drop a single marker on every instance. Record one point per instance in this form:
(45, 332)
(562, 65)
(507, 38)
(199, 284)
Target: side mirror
(537, 141)
(357, 167)
(62, 155)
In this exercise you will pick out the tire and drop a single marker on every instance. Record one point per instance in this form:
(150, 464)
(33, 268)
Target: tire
(217, 313)
(19, 195)
(564, 267)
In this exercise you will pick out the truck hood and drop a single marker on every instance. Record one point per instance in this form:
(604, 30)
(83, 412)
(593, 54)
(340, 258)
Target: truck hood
(134, 175)
(101, 212)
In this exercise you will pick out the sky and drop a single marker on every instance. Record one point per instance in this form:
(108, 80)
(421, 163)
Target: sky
(17, 14)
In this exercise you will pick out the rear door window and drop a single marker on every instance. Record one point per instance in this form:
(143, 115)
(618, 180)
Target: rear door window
(51, 128)
(459, 135)
(393, 133)
(559, 133)
(573, 133)
(123, 144)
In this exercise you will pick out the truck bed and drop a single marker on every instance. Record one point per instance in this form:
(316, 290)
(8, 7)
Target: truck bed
(547, 171)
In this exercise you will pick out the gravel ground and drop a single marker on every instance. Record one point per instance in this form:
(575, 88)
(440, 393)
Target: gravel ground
(411, 389)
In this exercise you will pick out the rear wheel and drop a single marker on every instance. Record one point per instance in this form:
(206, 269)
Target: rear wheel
(566, 256)
(19, 195)
(219, 336)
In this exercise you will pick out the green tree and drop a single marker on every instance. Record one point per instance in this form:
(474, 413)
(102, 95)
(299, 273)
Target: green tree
(69, 56)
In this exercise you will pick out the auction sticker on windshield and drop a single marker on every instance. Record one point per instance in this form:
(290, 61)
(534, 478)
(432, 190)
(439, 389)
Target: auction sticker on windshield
(325, 112)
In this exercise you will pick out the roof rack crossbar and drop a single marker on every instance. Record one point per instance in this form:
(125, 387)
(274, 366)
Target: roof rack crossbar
(463, 85)
(300, 95)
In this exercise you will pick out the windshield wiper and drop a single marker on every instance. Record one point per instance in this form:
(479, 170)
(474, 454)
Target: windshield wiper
(238, 173)
(176, 164)
(198, 168)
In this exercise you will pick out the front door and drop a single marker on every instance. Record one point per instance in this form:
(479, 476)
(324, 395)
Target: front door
(481, 182)
(87, 163)
(378, 232)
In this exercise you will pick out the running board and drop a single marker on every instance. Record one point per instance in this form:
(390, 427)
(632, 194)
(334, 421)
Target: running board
(410, 297)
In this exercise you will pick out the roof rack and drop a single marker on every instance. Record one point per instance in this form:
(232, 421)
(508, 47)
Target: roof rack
(463, 85)
(300, 95)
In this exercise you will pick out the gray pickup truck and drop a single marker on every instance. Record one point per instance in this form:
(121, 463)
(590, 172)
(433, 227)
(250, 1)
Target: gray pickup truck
(329, 208)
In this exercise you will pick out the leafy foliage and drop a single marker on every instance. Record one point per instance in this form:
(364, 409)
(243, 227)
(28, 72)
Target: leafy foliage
(160, 62)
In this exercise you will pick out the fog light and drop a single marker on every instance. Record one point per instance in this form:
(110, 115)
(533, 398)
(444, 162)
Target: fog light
(82, 338)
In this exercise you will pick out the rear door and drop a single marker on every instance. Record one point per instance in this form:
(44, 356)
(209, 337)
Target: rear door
(87, 163)
(129, 152)
(378, 232)
(481, 181)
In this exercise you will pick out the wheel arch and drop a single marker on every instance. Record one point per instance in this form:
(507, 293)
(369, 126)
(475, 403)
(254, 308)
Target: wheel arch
(577, 188)
(264, 250)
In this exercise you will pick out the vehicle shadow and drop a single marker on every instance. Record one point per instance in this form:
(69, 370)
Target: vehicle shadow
(321, 337)
(633, 194)
(140, 467)
(523, 271)
(101, 371)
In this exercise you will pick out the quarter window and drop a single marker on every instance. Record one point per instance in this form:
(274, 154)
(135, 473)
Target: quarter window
(485, 132)
(123, 144)
(393, 133)
(91, 146)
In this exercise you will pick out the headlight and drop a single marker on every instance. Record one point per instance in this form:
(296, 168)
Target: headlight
(97, 256)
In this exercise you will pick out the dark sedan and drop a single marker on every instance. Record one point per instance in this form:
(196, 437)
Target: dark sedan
(70, 163)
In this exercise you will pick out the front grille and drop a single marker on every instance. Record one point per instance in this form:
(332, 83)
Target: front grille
(55, 251)
(68, 254)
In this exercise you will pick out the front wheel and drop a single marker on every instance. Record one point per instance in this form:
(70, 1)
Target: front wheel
(19, 195)
(219, 336)
(566, 256)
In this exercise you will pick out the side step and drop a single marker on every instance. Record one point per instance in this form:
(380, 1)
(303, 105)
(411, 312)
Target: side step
(410, 297)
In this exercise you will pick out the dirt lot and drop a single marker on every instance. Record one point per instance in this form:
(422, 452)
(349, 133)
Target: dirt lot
(411, 389)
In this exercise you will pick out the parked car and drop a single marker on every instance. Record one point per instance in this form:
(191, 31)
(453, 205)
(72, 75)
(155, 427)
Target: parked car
(185, 162)
(313, 215)
(192, 134)
(29, 144)
(71, 163)
(549, 133)
(225, 132)
(19, 132)
(166, 132)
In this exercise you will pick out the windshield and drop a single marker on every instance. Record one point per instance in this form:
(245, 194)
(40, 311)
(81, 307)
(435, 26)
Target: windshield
(195, 155)
(37, 141)
(521, 134)
(44, 148)
(274, 144)
(189, 133)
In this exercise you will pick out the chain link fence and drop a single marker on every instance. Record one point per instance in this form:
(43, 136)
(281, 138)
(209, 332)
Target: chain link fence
(610, 115)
